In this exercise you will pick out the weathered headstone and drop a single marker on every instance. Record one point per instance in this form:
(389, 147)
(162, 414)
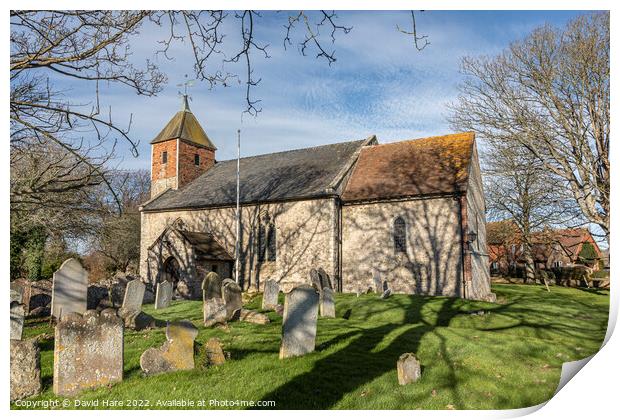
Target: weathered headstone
(270, 295)
(214, 353)
(134, 295)
(25, 369)
(376, 278)
(299, 324)
(315, 281)
(163, 296)
(17, 320)
(214, 312)
(88, 351)
(253, 317)
(231, 292)
(177, 353)
(325, 280)
(16, 295)
(408, 368)
(327, 306)
(69, 289)
(211, 286)
(386, 294)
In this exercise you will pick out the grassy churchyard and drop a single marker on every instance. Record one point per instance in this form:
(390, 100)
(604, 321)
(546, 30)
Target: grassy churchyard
(508, 356)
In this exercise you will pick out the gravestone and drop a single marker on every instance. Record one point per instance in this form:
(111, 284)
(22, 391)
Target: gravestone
(325, 280)
(386, 294)
(408, 368)
(211, 286)
(88, 351)
(25, 369)
(16, 295)
(163, 296)
(231, 292)
(253, 317)
(270, 295)
(299, 323)
(69, 289)
(134, 295)
(177, 353)
(327, 306)
(17, 320)
(376, 278)
(315, 280)
(214, 312)
(214, 353)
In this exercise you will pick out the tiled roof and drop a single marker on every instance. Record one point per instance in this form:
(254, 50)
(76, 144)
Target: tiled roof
(434, 165)
(184, 126)
(294, 174)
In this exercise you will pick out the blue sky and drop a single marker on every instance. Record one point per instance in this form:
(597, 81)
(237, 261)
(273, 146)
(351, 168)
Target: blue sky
(380, 84)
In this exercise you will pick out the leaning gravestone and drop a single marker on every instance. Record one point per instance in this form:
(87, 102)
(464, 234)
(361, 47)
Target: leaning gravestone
(376, 278)
(327, 306)
(211, 286)
(69, 289)
(163, 296)
(386, 294)
(214, 312)
(25, 369)
(231, 292)
(408, 369)
(299, 322)
(88, 351)
(270, 295)
(17, 320)
(134, 295)
(177, 353)
(325, 280)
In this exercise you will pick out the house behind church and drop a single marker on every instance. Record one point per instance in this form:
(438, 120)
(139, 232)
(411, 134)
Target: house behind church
(413, 210)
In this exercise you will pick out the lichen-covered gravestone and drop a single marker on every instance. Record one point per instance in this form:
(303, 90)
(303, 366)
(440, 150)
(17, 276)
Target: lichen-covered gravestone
(25, 369)
(376, 278)
(214, 353)
(253, 317)
(88, 351)
(231, 292)
(177, 353)
(408, 369)
(163, 296)
(327, 306)
(16, 295)
(214, 312)
(270, 295)
(301, 307)
(17, 320)
(69, 289)
(211, 286)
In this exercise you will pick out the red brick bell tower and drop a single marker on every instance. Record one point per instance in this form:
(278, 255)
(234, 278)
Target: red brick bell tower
(180, 153)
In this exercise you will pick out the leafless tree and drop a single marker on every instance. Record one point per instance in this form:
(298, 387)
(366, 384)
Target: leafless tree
(518, 187)
(549, 94)
(92, 48)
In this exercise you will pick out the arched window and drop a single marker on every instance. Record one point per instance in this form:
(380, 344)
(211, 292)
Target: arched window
(271, 243)
(400, 235)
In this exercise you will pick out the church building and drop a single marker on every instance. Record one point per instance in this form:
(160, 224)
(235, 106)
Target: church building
(411, 211)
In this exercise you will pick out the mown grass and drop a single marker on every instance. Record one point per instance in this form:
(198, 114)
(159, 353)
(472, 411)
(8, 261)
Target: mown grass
(508, 357)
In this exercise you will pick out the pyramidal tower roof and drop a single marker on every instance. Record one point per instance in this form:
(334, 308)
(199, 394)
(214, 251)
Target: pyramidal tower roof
(184, 126)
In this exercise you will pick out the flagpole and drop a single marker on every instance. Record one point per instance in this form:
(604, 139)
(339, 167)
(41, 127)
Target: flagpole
(237, 245)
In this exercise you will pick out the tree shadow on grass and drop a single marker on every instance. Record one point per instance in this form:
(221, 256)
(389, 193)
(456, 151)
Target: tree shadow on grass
(348, 368)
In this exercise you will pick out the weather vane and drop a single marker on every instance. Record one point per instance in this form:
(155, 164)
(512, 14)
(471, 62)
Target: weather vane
(185, 97)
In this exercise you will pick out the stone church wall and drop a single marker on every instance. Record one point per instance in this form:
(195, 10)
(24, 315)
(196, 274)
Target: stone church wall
(433, 262)
(304, 239)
